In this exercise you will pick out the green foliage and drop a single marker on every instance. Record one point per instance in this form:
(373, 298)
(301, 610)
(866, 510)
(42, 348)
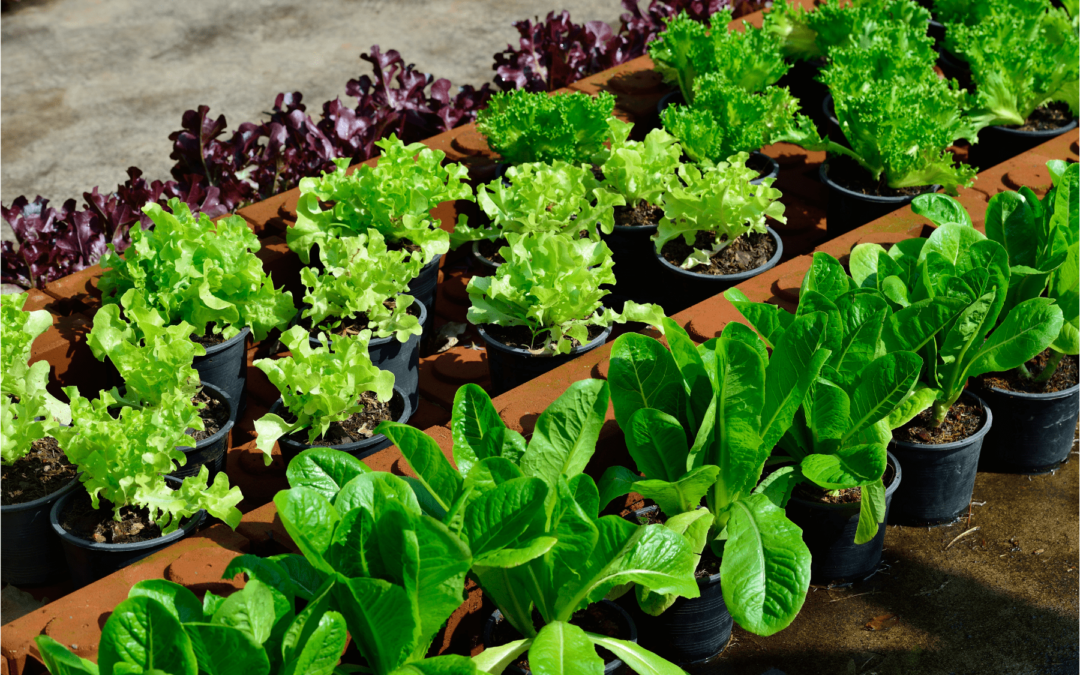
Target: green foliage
(197, 271)
(1020, 61)
(536, 127)
(972, 13)
(551, 285)
(124, 459)
(702, 420)
(960, 263)
(787, 23)
(557, 198)
(319, 385)
(812, 35)
(749, 59)
(717, 199)
(640, 171)
(901, 125)
(395, 197)
(531, 518)
(36, 412)
(359, 276)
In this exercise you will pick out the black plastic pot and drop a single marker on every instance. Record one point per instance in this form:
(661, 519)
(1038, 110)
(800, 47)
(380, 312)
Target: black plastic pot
(774, 167)
(939, 479)
(400, 358)
(670, 98)
(829, 533)
(954, 67)
(423, 288)
(836, 134)
(225, 367)
(610, 667)
(687, 288)
(359, 449)
(30, 553)
(692, 630)
(1000, 144)
(801, 80)
(936, 31)
(488, 266)
(209, 451)
(89, 561)
(848, 209)
(512, 366)
(1033, 433)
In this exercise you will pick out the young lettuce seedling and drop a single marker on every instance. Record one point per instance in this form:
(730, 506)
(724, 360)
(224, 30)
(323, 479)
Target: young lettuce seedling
(29, 412)
(359, 277)
(320, 385)
(551, 284)
(640, 171)
(395, 197)
(536, 127)
(701, 421)
(555, 198)
(840, 437)
(541, 544)
(196, 271)
(957, 261)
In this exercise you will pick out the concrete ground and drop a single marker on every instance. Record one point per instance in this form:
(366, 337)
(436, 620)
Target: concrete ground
(91, 87)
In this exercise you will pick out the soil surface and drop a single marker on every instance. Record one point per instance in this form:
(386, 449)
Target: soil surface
(642, 215)
(214, 415)
(595, 618)
(81, 519)
(490, 249)
(965, 418)
(522, 338)
(209, 339)
(748, 252)
(39, 473)
(354, 324)
(813, 493)
(1067, 375)
(761, 164)
(403, 245)
(1048, 117)
(847, 173)
(356, 428)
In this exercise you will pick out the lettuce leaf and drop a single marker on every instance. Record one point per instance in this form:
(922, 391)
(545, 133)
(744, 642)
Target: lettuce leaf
(535, 127)
(640, 171)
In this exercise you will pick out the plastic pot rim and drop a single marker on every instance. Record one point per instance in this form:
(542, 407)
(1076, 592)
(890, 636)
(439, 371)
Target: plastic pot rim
(54, 519)
(214, 349)
(225, 428)
(406, 413)
(574, 351)
(42, 501)
(827, 108)
(823, 173)
(1044, 396)
(731, 279)
(854, 506)
(1039, 133)
(953, 445)
(490, 264)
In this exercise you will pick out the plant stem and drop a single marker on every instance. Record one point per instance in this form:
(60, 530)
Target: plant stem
(1024, 372)
(940, 412)
(1051, 367)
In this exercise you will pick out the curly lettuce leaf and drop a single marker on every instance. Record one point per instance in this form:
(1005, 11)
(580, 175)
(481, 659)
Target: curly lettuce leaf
(536, 127)
(640, 171)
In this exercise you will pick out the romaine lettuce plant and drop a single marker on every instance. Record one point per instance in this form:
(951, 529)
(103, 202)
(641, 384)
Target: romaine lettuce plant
(687, 49)
(717, 199)
(319, 385)
(957, 261)
(701, 421)
(29, 412)
(640, 171)
(1020, 61)
(559, 198)
(197, 271)
(394, 573)
(531, 517)
(394, 197)
(537, 127)
(551, 285)
(900, 126)
(359, 276)
(840, 437)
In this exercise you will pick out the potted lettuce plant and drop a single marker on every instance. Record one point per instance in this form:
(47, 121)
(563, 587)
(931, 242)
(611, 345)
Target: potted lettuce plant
(713, 234)
(35, 471)
(362, 285)
(394, 197)
(543, 307)
(939, 434)
(525, 127)
(532, 520)
(331, 396)
(205, 274)
(126, 443)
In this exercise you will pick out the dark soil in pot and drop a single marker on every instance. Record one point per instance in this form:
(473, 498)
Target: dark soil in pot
(1002, 143)
(602, 618)
(30, 553)
(511, 365)
(829, 523)
(225, 366)
(1035, 421)
(855, 198)
(488, 251)
(211, 443)
(939, 464)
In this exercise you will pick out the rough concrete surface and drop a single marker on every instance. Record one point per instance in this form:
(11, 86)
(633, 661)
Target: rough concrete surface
(91, 87)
